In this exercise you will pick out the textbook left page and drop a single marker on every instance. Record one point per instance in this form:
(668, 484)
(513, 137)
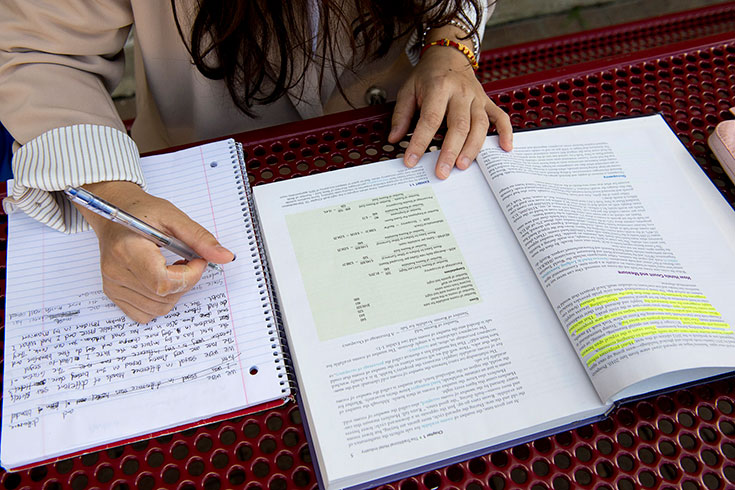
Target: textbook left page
(79, 374)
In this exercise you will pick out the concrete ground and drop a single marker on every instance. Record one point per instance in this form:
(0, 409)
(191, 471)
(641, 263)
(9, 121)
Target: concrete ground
(518, 21)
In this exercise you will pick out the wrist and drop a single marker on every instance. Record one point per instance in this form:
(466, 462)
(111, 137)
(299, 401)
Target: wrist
(114, 191)
(451, 52)
(118, 192)
(457, 31)
(448, 31)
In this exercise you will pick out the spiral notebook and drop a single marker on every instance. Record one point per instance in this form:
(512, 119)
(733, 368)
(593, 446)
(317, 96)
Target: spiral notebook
(80, 376)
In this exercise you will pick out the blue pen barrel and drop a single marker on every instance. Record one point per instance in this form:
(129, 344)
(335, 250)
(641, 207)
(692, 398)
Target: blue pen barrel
(180, 248)
(111, 212)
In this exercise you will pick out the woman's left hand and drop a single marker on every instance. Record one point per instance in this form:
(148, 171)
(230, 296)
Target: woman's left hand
(441, 85)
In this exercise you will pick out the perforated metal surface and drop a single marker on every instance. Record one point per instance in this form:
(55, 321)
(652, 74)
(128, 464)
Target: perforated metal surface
(682, 440)
(532, 57)
(693, 86)
(263, 451)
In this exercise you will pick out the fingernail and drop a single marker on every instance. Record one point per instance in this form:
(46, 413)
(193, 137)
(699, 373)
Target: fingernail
(444, 169)
(465, 162)
(234, 256)
(412, 159)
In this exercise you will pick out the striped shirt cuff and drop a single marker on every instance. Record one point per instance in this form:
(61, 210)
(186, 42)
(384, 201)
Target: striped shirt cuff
(68, 156)
(416, 39)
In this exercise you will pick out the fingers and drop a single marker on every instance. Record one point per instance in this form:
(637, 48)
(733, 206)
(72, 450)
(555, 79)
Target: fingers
(138, 303)
(465, 136)
(443, 84)
(501, 120)
(468, 114)
(198, 238)
(137, 307)
(466, 133)
(430, 118)
(136, 277)
(143, 298)
(476, 138)
(402, 114)
(134, 272)
(150, 275)
(458, 128)
(131, 311)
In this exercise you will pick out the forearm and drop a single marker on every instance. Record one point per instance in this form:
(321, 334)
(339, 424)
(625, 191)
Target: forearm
(471, 19)
(69, 156)
(464, 47)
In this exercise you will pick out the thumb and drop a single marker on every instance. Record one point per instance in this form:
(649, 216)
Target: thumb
(199, 239)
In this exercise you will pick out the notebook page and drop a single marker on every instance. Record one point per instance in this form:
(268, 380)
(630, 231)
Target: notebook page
(79, 374)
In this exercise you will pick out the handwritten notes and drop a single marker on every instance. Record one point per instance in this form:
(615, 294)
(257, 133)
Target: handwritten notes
(79, 373)
(80, 358)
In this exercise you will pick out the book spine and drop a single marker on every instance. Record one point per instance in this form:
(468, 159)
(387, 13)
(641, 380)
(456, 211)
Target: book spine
(275, 331)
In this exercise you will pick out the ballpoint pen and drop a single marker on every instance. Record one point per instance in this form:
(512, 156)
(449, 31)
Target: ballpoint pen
(113, 213)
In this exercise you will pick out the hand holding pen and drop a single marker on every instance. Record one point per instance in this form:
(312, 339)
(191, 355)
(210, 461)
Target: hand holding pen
(109, 211)
(134, 272)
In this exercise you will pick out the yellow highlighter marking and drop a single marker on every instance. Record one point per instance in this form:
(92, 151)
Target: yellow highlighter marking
(594, 320)
(607, 298)
(592, 359)
(605, 344)
(681, 307)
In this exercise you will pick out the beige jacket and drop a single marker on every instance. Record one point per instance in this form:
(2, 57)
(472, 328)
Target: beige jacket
(60, 59)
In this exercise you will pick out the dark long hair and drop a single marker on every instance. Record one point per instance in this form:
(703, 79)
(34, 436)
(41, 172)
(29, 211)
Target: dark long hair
(258, 47)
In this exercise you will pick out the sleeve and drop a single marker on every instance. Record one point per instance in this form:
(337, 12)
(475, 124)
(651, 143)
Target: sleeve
(416, 39)
(59, 59)
(68, 156)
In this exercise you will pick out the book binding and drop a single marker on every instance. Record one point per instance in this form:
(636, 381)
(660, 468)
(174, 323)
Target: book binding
(276, 333)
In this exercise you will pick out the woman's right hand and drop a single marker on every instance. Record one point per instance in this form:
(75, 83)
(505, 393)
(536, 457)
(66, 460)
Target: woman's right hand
(134, 272)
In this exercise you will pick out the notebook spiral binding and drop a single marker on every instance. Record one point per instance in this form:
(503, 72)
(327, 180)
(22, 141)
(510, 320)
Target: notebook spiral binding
(281, 355)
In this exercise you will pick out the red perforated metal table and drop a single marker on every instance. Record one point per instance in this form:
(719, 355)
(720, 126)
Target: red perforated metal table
(685, 439)
(555, 52)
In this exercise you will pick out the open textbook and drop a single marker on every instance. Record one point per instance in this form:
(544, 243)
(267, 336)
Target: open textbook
(431, 320)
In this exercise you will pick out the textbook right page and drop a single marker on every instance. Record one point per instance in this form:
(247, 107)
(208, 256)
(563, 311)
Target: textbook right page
(633, 245)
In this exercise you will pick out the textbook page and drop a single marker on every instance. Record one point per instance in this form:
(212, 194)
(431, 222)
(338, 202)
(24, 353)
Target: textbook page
(79, 374)
(633, 245)
(417, 329)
